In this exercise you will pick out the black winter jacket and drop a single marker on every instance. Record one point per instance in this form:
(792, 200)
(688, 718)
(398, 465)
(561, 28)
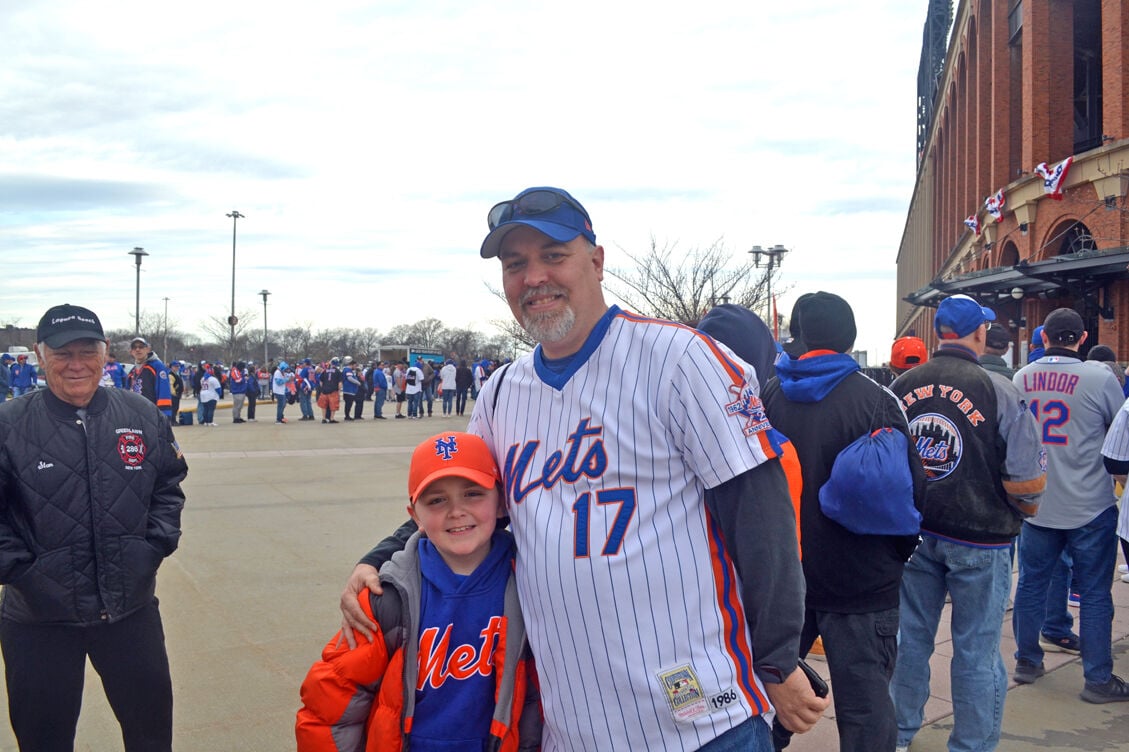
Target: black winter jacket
(88, 507)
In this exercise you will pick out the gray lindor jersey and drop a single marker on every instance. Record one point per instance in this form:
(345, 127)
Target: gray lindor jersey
(1074, 402)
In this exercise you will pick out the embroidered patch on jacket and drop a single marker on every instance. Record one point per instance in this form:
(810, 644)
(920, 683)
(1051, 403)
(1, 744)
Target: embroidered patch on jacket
(748, 406)
(939, 444)
(131, 448)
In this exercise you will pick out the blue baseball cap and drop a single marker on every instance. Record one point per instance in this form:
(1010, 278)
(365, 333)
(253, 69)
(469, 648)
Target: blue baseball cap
(960, 315)
(1037, 336)
(548, 210)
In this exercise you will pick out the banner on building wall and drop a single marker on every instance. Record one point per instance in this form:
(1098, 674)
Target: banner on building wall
(1054, 177)
(995, 205)
(973, 223)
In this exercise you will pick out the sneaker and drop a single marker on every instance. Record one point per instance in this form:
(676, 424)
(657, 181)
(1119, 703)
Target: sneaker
(1073, 600)
(237, 420)
(333, 421)
(380, 417)
(1027, 672)
(325, 420)
(1114, 690)
(282, 420)
(399, 417)
(1125, 578)
(901, 748)
(1123, 569)
(348, 419)
(1068, 644)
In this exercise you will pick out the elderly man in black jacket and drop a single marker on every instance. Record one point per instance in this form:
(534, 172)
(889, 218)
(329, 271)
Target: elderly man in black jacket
(90, 504)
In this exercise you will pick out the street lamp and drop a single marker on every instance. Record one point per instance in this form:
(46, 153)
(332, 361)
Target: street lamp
(265, 293)
(774, 254)
(231, 320)
(137, 253)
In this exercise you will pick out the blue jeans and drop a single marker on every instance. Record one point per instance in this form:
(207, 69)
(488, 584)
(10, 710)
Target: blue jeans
(378, 398)
(415, 404)
(1058, 621)
(448, 401)
(1093, 547)
(753, 735)
(279, 406)
(209, 416)
(305, 404)
(978, 580)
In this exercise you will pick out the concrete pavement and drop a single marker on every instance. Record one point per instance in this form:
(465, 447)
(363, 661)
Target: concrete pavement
(275, 519)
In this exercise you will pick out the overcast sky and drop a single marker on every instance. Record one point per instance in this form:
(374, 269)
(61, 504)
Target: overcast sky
(365, 142)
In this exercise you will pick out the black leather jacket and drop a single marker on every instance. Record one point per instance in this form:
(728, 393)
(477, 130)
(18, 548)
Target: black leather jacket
(89, 506)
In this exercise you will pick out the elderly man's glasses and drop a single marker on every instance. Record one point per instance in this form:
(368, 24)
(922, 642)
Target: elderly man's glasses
(531, 204)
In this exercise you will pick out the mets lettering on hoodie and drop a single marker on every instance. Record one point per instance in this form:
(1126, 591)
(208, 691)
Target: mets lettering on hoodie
(583, 455)
(1049, 381)
(952, 394)
(438, 663)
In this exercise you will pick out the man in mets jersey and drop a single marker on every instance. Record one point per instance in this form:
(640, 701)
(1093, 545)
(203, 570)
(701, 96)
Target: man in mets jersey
(1075, 402)
(657, 565)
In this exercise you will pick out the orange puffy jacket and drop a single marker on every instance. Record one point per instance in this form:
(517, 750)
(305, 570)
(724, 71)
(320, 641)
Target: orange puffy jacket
(362, 700)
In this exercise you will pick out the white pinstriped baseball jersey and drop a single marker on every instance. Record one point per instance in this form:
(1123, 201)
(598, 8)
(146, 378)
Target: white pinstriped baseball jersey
(630, 599)
(1116, 447)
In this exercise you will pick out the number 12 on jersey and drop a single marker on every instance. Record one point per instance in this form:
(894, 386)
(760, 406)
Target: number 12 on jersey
(1052, 414)
(582, 509)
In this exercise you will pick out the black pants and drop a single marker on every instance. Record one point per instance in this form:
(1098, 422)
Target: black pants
(460, 400)
(45, 665)
(349, 400)
(250, 403)
(861, 651)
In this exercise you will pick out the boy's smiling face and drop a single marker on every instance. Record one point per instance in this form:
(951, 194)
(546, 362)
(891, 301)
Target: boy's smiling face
(459, 517)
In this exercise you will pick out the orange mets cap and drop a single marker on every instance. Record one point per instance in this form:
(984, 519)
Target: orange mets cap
(908, 352)
(451, 453)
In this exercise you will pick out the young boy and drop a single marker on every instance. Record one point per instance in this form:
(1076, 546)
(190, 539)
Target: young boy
(450, 667)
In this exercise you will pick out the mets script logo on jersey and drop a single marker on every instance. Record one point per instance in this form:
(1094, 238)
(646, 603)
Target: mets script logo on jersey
(438, 663)
(748, 406)
(131, 447)
(583, 455)
(938, 442)
(445, 448)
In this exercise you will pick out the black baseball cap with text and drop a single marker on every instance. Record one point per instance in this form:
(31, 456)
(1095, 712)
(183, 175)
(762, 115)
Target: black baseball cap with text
(65, 323)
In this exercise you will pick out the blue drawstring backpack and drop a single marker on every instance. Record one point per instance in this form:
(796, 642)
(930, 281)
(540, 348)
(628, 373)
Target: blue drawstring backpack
(870, 490)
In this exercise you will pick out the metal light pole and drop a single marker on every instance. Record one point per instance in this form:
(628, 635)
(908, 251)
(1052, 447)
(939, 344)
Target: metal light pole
(265, 293)
(774, 254)
(231, 320)
(165, 344)
(137, 253)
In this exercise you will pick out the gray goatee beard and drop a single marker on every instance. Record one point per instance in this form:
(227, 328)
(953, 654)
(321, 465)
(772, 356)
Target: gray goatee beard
(549, 326)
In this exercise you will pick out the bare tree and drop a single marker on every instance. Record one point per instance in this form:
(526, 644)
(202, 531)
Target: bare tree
(667, 284)
(218, 330)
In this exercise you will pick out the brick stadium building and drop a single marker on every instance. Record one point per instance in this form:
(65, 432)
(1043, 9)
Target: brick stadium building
(1020, 84)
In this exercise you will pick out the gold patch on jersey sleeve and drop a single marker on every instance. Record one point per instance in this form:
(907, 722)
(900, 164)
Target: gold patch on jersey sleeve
(683, 693)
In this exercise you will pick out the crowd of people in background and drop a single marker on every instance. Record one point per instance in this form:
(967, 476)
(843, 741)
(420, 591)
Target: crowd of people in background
(337, 386)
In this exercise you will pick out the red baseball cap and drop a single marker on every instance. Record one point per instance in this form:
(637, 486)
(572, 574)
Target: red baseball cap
(452, 453)
(908, 352)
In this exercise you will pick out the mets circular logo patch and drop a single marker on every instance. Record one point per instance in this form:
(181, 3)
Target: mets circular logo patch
(938, 442)
(131, 448)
